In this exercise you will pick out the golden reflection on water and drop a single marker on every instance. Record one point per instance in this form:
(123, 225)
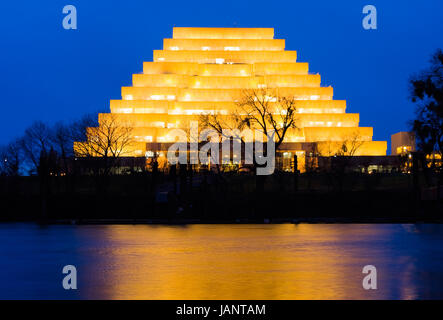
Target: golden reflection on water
(239, 262)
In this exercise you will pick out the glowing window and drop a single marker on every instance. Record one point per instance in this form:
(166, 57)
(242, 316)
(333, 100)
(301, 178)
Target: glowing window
(129, 97)
(174, 48)
(158, 124)
(267, 98)
(148, 138)
(403, 149)
(157, 97)
(315, 97)
(206, 48)
(232, 48)
(170, 97)
(196, 111)
(175, 111)
(161, 59)
(219, 61)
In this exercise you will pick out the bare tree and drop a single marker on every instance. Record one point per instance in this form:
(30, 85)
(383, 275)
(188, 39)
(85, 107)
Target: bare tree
(11, 159)
(261, 109)
(340, 155)
(64, 135)
(78, 128)
(63, 144)
(427, 92)
(350, 145)
(266, 110)
(109, 141)
(222, 124)
(36, 144)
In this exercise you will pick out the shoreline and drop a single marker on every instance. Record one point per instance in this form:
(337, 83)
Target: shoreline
(324, 220)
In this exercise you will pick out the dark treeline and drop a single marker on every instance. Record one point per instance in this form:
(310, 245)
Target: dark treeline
(44, 149)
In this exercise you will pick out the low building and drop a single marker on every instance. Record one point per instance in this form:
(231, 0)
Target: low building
(402, 143)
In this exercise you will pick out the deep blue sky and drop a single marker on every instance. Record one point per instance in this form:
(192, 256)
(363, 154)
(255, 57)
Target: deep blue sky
(51, 74)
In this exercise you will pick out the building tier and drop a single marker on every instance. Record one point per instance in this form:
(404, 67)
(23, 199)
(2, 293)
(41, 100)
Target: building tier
(206, 70)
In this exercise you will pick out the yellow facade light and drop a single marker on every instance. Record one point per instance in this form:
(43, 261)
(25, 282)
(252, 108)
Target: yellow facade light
(176, 111)
(204, 70)
(232, 48)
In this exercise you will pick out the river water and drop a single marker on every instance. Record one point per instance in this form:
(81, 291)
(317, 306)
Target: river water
(286, 261)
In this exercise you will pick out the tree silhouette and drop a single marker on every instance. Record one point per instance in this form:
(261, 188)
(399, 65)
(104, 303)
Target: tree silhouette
(427, 93)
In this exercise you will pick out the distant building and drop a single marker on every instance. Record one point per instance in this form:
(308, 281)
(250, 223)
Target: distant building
(402, 143)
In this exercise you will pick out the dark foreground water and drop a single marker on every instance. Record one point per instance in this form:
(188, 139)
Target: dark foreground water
(322, 261)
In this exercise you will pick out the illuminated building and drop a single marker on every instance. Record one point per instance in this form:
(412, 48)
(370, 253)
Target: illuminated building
(204, 70)
(402, 143)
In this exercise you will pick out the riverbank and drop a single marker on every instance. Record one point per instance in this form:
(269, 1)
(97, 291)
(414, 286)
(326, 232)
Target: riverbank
(338, 220)
(377, 198)
(268, 207)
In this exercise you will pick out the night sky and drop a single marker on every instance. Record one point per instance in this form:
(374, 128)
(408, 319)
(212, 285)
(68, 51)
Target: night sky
(51, 74)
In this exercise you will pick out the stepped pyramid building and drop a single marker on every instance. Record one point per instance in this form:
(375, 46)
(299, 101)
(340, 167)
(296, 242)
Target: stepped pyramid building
(204, 70)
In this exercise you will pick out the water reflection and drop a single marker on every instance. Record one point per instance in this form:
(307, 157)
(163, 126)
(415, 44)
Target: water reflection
(226, 261)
